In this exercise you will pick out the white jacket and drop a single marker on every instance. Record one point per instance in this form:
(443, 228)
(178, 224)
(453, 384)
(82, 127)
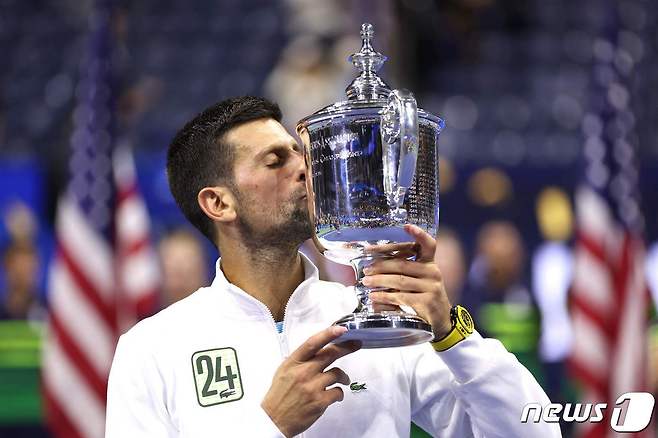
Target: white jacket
(201, 368)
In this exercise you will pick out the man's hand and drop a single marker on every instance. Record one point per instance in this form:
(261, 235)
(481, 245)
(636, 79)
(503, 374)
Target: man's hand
(417, 284)
(299, 395)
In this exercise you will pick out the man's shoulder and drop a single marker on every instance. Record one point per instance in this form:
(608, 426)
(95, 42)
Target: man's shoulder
(171, 318)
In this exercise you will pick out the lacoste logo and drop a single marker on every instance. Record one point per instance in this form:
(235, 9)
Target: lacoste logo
(356, 387)
(226, 393)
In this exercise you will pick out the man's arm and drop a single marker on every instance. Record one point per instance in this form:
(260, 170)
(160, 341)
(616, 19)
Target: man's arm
(485, 388)
(475, 388)
(135, 395)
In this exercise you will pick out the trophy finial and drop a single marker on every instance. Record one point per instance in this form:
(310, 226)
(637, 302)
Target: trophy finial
(368, 85)
(367, 32)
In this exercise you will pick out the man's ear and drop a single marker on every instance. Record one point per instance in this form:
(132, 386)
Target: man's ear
(217, 203)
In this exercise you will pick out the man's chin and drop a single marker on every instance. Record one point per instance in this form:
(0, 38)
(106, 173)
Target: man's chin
(302, 232)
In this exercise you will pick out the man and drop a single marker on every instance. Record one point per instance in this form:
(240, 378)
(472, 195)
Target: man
(20, 299)
(183, 262)
(214, 364)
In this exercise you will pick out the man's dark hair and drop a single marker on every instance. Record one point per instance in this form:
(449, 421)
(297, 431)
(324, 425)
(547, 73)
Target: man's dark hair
(199, 157)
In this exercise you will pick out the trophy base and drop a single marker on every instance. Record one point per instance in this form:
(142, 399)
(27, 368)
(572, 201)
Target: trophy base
(385, 329)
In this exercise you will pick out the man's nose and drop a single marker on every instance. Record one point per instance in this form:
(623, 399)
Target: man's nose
(301, 169)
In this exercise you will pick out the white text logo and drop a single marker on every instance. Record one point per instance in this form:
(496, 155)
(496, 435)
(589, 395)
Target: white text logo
(631, 413)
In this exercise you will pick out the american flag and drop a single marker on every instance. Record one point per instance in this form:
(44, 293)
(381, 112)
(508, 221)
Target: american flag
(104, 275)
(610, 301)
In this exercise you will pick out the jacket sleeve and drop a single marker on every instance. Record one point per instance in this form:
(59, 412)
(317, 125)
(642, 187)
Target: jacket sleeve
(135, 395)
(476, 388)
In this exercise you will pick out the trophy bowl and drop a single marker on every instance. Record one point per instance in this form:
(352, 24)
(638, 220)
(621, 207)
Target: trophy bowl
(373, 167)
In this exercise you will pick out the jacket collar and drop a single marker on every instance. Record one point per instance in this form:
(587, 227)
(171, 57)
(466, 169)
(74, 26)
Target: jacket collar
(297, 303)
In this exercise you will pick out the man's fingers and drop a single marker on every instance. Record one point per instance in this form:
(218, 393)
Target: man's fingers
(426, 242)
(331, 353)
(317, 342)
(423, 247)
(401, 298)
(333, 395)
(333, 376)
(396, 282)
(404, 248)
(401, 266)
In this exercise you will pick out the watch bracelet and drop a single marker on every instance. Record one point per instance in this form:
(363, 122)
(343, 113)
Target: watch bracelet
(457, 329)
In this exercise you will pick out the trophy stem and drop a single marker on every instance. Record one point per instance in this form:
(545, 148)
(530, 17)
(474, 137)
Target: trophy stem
(362, 291)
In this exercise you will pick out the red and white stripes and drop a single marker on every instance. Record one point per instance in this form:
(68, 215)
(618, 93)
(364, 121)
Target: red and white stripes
(81, 331)
(96, 293)
(609, 308)
(138, 272)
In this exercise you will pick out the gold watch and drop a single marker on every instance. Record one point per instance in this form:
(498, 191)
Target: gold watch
(462, 327)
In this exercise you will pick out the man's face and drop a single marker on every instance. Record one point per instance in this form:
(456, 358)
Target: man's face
(270, 185)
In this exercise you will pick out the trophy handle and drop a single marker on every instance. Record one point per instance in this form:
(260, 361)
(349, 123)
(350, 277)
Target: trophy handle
(399, 132)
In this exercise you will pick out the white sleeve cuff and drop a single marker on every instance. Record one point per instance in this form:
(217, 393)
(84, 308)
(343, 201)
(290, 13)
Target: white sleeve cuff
(468, 358)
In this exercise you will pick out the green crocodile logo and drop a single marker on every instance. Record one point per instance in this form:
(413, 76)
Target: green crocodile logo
(226, 393)
(356, 387)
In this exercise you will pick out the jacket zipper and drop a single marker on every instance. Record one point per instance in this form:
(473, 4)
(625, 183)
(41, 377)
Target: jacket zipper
(283, 340)
(283, 344)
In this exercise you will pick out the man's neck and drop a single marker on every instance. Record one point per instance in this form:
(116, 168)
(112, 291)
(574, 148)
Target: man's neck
(268, 274)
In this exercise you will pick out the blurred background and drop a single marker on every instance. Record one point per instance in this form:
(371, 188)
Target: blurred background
(545, 101)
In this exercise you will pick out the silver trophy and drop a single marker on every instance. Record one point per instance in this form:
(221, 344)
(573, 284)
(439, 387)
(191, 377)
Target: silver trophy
(373, 167)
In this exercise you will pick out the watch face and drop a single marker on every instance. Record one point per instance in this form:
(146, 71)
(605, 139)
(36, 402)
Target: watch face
(465, 319)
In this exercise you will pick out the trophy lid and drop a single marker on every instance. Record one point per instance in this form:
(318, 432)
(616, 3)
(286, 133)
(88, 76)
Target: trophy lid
(367, 94)
(368, 85)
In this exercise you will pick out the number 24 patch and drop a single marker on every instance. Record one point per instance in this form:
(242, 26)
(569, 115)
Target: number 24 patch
(217, 376)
